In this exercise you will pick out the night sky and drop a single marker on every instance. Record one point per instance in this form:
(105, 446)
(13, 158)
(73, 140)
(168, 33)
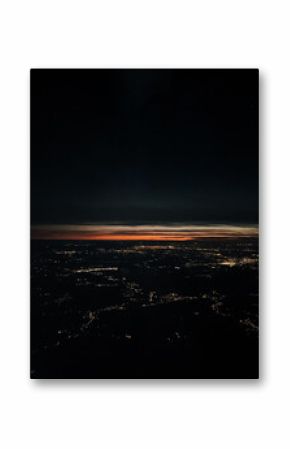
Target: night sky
(144, 146)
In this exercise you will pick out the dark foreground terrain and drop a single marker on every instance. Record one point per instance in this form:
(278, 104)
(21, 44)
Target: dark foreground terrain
(144, 309)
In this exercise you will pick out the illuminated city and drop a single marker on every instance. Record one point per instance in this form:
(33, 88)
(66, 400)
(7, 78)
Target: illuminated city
(139, 305)
(144, 224)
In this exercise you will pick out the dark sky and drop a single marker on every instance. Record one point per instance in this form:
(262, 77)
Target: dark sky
(144, 146)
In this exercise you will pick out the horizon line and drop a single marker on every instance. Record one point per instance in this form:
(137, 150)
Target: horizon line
(120, 232)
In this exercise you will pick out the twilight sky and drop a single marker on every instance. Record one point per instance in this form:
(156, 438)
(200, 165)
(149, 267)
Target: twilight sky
(144, 146)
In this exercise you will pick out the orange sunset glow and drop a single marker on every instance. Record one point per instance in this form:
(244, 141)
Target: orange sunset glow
(140, 232)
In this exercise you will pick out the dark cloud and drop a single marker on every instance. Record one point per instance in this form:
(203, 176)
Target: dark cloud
(144, 145)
